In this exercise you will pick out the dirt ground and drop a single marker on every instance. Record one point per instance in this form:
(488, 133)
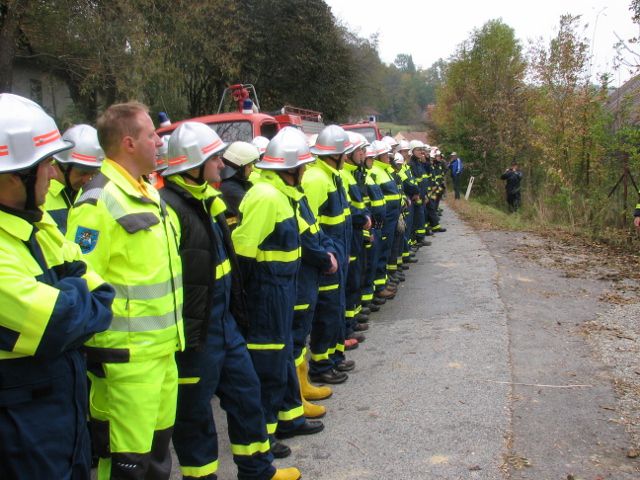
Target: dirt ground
(613, 277)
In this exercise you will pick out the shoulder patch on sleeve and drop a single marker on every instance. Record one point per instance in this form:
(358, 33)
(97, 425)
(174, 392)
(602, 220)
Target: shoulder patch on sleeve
(87, 239)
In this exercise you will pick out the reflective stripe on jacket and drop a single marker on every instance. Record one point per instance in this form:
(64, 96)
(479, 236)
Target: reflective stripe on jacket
(129, 239)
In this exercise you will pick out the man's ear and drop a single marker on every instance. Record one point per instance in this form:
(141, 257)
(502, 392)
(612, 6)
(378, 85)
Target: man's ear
(127, 144)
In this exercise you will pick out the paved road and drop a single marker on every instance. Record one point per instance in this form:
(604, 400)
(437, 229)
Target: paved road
(433, 397)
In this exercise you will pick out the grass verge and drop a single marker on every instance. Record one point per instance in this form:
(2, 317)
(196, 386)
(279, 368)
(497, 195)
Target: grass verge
(487, 217)
(394, 128)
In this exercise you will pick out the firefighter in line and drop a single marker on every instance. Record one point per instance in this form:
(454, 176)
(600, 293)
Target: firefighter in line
(318, 257)
(267, 243)
(238, 160)
(327, 197)
(432, 224)
(410, 188)
(397, 250)
(52, 303)
(441, 170)
(416, 152)
(353, 178)
(216, 359)
(381, 174)
(120, 223)
(73, 168)
(377, 207)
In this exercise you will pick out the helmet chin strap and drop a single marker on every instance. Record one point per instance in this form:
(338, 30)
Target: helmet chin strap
(29, 178)
(199, 180)
(66, 172)
(294, 174)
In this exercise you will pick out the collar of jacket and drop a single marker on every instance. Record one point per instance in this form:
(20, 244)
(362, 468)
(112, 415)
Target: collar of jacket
(272, 178)
(384, 166)
(199, 192)
(350, 168)
(205, 193)
(55, 187)
(322, 165)
(134, 188)
(20, 223)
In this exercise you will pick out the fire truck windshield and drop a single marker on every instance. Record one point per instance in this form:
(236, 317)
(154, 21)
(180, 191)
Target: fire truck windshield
(368, 132)
(233, 131)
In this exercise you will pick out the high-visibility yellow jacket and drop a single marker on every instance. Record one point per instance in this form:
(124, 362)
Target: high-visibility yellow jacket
(267, 242)
(381, 174)
(57, 204)
(124, 231)
(327, 195)
(51, 302)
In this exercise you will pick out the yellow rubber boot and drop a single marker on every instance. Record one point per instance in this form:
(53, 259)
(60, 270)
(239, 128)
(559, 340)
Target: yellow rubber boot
(291, 473)
(307, 390)
(311, 410)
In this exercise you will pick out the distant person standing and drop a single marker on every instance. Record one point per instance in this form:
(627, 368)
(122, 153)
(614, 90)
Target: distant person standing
(455, 165)
(513, 176)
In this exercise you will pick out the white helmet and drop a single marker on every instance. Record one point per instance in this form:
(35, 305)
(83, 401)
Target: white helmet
(236, 156)
(357, 140)
(413, 144)
(403, 145)
(190, 145)
(241, 153)
(392, 142)
(311, 139)
(86, 150)
(27, 134)
(288, 149)
(260, 143)
(370, 152)
(380, 147)
(398, 159)
(333, 140)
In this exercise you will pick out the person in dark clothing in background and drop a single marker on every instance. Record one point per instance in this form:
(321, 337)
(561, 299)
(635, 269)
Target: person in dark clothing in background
(513, 177)
(455, 165)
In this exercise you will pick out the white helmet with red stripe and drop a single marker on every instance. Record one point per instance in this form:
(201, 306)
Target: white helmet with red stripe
(380, 147)
(357, 140)
(392, 142)
(190, 145)
(288, 149)
(27, 134)
(260, 143)
(86, 150)
(332, 140)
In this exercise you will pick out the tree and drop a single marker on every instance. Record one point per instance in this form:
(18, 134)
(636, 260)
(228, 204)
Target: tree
(567, 108)
(481, 106)
(404, 63)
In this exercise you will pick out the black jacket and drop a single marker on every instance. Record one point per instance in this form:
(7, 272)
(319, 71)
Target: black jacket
(513, 180)
(233, 191)
(199, 260)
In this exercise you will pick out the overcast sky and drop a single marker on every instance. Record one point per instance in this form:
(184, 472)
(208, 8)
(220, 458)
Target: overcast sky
(431, 30)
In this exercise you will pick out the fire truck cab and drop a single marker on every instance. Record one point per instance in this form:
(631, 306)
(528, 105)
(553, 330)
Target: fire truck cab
(369, 129)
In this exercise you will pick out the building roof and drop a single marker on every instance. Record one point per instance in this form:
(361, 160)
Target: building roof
(624, 102)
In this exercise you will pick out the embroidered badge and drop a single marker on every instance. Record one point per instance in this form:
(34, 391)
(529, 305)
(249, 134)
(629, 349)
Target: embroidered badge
(87, 239)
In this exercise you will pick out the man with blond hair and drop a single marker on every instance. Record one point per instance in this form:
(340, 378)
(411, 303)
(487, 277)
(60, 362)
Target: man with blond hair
(123, 229)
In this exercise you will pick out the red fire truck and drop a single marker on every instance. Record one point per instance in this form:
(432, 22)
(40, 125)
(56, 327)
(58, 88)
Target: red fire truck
(247, 122)
(369, 129)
